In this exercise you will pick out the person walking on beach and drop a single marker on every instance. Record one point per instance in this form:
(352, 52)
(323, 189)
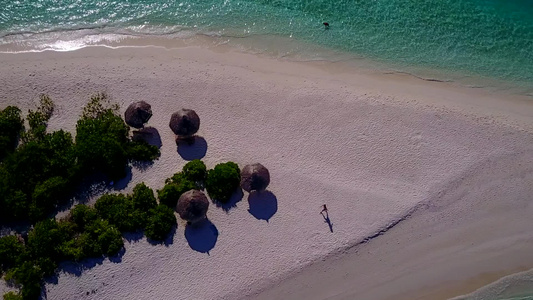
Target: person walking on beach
(326, 217)
(324, 209)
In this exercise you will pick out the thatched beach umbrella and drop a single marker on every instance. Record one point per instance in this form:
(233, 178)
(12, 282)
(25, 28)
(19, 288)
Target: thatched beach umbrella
(184, 122)
(254, 177)
(137, 114)
(192, 206)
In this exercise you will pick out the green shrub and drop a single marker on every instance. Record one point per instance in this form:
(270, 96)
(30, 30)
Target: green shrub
(160, 222)
(45, 241)
(26, 173)
(11, 126)
(100, 238)
(38, 120)
(171, 192)
(12, 296)
(118, 210)
(100, 144)
(29, 275)
(10, 249)
(223, 181)
(143, 198)
(110, 241)
(82, 215)
(195, 171)
(14, 206)
(142, 151)
(47, 195)
(102, 141)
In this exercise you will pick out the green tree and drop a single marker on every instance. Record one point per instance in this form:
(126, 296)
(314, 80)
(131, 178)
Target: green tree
(102, 140)
(160, 222)
(47, 195)
(143, 197)
(141, 151)
(195, 171)
(12, 296)
(38, 119)
(118, 210)
(29, 275)
(11, 126)
(10, 249)
(83, 215)
(223, 181)
(171, 192)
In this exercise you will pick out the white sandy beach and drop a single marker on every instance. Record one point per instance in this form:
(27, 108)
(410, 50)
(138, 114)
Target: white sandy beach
(451, 166)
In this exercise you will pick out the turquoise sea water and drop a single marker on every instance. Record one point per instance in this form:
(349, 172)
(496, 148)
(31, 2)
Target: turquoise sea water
(467, 38)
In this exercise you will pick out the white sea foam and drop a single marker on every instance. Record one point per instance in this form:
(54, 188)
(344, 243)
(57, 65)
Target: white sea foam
(517, 286)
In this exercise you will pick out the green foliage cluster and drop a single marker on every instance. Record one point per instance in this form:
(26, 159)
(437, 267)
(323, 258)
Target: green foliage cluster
(102, 140)
(191, 177)
(160, 221)
(222, 181)
(51, 242)
(41, 173)
(127, 213)
(86, 232)
(11, 126)
(38, 119)
(38, 176)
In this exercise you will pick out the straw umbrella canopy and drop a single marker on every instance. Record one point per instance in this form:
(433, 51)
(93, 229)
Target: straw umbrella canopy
(184, 122)
(192, 206)
(137, 114)
(254, 177)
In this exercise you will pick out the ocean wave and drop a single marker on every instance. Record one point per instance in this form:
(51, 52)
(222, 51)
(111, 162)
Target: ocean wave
(518, 286)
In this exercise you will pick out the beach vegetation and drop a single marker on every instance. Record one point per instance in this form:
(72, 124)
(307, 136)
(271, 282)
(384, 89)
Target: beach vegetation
(160, 222)
(222, 181)
(143, 198)
(38, 119)
(171, 192)
(12, 296)
(195, 171)
(10, 247)
(11, 126)
(45, 169)
(40, 171)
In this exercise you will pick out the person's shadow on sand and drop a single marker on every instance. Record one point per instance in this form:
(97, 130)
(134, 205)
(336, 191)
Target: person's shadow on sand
(327, 220)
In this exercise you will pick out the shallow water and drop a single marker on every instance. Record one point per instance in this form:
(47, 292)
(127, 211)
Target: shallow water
(518, 286)
(461, 39)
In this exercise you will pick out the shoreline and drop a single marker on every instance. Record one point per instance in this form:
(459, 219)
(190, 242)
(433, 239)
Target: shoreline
(396, 140)
(268, 46)
(460, 98)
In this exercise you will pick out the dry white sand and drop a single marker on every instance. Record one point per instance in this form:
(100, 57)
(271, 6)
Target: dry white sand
(375, 148)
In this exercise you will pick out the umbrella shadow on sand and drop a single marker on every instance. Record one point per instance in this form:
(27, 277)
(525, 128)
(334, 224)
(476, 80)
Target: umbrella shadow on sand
(192, 148)
(263, 205)
(202, 236)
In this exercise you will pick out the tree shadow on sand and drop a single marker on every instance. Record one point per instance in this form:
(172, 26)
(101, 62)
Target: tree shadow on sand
(169, 240)
(77, 268)
(263, 205)
(202, 237)
(194, 148)
(232, 203)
